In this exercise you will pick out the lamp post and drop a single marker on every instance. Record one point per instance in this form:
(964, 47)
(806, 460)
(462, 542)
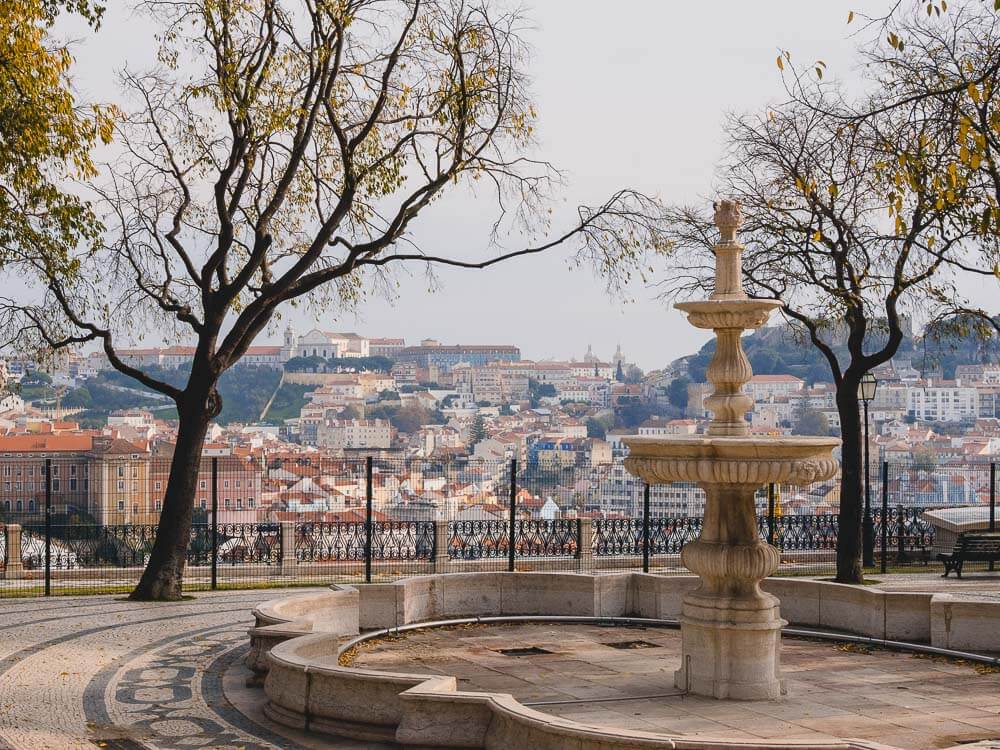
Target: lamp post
(869, 384)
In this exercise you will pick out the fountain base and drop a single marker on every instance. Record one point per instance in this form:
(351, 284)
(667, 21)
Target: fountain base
(731, 648)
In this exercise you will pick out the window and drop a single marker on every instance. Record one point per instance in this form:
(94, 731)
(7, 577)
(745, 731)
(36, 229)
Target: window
(228, 503)
(55, 471)
(203, 505)
(55, 485)
(201, 485)
(6, 505)
(225, 484)
(6, 471)
(19, 506)
(72, 470)
(237, 484)
(135, 508)
(239, 503)
(121, 485)
(121, 471)
(157, 505)
(250, 502)
(121, 505)
(72, 484)
(135, 472)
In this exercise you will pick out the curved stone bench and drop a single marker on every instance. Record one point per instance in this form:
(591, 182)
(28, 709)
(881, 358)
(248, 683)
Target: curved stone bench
(298, 639)
(334, 610)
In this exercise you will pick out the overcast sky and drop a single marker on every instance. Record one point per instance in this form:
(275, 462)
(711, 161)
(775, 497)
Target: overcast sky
(630, 93)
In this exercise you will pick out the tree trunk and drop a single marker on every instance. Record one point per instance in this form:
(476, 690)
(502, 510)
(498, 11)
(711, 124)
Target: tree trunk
(162, 578)
(849, 534)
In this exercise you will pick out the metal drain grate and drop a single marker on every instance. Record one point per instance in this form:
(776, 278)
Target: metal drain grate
(523, 651)
(629, 645)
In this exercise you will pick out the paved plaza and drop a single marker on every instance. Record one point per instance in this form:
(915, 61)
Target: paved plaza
(623, 677)
(79, 671)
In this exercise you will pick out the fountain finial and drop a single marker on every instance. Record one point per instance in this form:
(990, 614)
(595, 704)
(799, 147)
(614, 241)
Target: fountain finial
(728, 218)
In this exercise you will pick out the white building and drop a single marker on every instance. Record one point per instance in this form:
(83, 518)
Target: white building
(767, 387)
(944, 402)
(354, 434)
(326, 344)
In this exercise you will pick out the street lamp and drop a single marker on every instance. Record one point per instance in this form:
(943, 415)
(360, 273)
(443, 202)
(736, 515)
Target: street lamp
(869, 384)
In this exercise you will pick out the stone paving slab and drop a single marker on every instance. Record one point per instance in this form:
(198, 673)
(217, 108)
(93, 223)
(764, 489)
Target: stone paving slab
(834, 691)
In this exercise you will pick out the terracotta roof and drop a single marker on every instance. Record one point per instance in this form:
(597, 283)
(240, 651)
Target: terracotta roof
(47, 443)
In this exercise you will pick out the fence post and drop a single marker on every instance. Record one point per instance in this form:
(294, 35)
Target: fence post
(993, 502)
(585, 544)
(48, 527)
(368, 519)
(645, 528)
(513, 514)
(287, 561)
(215, 522)
(993, 497)
(885, 512)
(15, 566)
(900, 535)
(442, 557)
(770, 513)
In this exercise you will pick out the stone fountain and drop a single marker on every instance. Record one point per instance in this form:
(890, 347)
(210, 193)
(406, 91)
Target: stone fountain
(731, 630)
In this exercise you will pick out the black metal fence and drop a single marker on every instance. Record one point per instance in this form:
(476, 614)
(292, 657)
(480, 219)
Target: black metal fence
(299, 521)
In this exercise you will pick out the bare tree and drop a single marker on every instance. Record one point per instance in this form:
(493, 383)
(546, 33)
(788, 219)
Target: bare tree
(281, 154)
(850, 252)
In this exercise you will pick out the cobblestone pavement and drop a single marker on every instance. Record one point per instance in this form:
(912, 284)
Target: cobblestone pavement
(78, 671)
(623, 677)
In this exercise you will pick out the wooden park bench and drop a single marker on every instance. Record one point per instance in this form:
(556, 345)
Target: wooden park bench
(971, 546)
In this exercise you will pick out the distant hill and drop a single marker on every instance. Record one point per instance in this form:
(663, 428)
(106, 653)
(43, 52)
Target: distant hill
(779, 350)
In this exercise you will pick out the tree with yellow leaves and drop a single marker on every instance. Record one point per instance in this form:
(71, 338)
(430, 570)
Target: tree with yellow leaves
(281, 154)
(45, 138)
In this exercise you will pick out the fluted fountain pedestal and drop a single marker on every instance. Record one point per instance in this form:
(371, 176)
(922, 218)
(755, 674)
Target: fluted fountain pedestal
(730, 629)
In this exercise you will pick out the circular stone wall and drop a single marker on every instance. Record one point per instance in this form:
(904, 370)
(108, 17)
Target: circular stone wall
(622, 676)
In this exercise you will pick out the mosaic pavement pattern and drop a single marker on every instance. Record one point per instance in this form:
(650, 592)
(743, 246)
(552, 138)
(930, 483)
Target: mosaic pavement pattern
(81, 673)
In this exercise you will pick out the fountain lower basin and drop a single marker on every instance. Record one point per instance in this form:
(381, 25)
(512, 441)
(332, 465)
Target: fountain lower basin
(728, 460)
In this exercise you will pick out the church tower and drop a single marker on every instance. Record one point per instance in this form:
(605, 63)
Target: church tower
(288, 347)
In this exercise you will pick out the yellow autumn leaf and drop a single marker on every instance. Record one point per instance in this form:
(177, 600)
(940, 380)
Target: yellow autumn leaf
(850, 16)
(817, 236)
(781, 65)
(974, 93)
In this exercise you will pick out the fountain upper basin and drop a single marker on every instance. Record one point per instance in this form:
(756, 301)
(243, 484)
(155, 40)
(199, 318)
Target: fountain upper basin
(732, 460)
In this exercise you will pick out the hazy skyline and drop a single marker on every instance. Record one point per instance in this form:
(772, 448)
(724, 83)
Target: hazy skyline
(630, 98)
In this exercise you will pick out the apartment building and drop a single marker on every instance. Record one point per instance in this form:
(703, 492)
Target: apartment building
(354, 434)
(944, 401)
(239, 484)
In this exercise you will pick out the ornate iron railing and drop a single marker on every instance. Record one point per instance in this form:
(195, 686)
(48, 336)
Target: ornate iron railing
(904, 524)
(402, 540)
(479, 539)
(249, 543)
(329, 541)
(345, 540)
(130, 545)
(804, 533)
(620, 537)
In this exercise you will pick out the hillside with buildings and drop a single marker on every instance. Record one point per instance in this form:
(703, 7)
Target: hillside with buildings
(443, 421)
